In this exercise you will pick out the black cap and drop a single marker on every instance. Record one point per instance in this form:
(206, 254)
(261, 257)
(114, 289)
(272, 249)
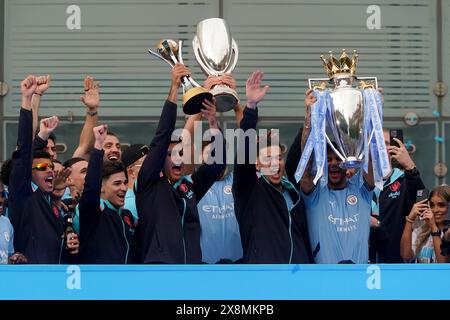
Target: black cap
(133, 153)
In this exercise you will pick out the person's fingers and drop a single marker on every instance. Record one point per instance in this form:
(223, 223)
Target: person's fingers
(309, 92)
(86, 83)
(259, 77)
(266, 89)
(400, 143)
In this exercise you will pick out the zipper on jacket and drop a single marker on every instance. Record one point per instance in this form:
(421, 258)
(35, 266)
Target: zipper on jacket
(125, 236)
(182, 230)
(289, 216)
(60, 250)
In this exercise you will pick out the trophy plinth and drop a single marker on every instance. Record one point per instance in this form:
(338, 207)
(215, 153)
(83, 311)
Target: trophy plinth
(193, 99)
(217, 53)
(193, 94)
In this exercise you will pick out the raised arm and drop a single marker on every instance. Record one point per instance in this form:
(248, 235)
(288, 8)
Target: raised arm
(245, 173)
(154, 162)
(307, 180)
(20, 179)
(293, 157)
(43, 83)
(89, 204)
(91, 100)
(209, 172)
(406, 251)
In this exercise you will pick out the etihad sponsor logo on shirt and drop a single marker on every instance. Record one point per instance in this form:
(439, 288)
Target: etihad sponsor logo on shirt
(345, 224)
(227, 208)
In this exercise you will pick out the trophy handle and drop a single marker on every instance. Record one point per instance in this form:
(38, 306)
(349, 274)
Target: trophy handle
(180, 51)
(160, 57)
(367, 82)
(189, 80)
(318, 83)
(234, 57)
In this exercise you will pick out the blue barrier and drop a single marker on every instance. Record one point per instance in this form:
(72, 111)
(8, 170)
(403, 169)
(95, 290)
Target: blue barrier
(224, 282)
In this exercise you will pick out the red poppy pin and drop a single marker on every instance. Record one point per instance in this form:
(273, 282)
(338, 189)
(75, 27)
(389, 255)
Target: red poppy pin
(184, 188)
(395, 186)
(128, 221)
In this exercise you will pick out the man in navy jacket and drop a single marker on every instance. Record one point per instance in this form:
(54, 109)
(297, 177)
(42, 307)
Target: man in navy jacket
(106, 229)
(166, 200)
(268, 207)
(37, 222)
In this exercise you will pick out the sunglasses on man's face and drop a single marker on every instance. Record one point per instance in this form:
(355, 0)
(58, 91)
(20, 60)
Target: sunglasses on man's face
(3, 194)
(43, 166)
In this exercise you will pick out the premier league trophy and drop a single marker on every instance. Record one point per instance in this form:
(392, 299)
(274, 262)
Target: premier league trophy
(217, 54)
(193, 94)
(351, 108)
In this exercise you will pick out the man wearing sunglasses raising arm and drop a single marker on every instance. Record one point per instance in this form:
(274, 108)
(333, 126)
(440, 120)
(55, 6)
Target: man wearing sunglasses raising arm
(37, 222)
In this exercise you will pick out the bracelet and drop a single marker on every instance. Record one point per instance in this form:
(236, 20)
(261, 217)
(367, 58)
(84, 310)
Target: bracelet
(39, 94)
(409, 219)
(92, 113)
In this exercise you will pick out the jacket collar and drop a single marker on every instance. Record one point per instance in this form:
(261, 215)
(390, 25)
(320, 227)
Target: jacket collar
(106, 203)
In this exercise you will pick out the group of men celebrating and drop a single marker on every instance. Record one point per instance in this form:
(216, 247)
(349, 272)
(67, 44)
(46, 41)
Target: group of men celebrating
(148, 205)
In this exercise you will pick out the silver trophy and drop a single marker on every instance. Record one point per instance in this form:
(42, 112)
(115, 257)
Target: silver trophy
(193, 94)
(217, 53)
(347, 126)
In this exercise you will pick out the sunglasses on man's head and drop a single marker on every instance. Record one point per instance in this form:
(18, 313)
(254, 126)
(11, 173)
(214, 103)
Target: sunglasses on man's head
(43, 166)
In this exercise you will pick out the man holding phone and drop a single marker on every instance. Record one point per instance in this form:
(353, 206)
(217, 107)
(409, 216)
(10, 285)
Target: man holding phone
(391, 205)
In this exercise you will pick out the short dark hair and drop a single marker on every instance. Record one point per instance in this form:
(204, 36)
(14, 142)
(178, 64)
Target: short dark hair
(52, 137)
(335, 145)
(110, 133)
(6, 171)
(268, 138)
(41, 154)
(112, 167)
(69, 163)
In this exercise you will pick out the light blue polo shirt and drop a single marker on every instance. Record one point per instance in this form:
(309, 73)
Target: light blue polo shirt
(339, 221)
(6, 240)
(219, 237)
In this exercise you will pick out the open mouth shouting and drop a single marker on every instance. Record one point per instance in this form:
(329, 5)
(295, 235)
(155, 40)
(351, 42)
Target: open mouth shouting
(49, 182)
(113, 156)
(335, 173)
(177, 169)
(275, 172)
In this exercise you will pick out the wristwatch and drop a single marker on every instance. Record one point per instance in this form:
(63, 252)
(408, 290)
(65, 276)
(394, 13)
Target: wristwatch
(436, 234)
(92, 113)
(413, 171)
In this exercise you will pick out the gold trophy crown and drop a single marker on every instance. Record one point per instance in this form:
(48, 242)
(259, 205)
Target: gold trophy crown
(343, 66)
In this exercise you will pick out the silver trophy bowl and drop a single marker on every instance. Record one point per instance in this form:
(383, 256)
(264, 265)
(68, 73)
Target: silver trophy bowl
(217, 53)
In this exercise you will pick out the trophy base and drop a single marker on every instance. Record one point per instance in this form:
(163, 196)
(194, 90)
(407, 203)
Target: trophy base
(225, 102)
(226, 98)
(193, 99)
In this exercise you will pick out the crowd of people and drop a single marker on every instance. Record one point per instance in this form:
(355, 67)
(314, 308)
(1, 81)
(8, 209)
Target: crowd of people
(152, 204)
